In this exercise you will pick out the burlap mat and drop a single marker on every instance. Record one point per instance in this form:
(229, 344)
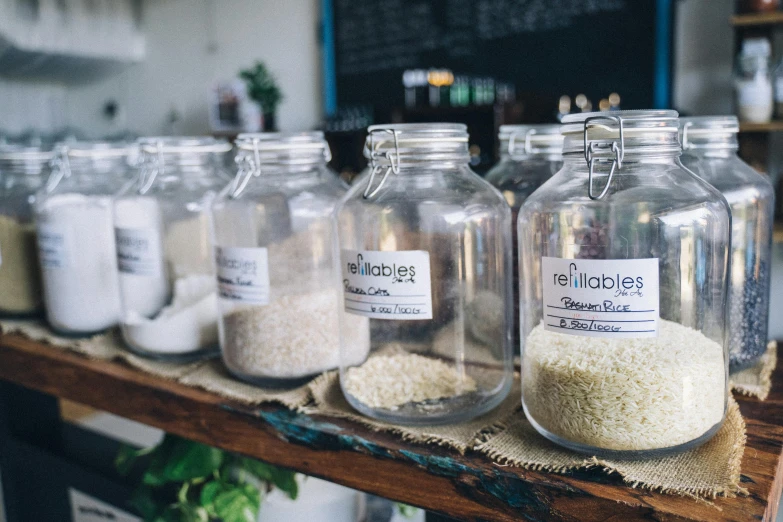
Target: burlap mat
(213, 376)
(329, 400)
(756, 381)
(208, 375)
(707, 471)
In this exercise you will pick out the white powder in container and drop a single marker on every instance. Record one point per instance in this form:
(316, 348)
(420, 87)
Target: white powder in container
(79, 263)
(294, 336)
(188, 324)
(625, 394)
(391, 381)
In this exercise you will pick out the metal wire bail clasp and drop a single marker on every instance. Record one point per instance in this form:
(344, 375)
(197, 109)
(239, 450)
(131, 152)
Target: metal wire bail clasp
(151, 164)
(247, 167)
(393, 156)
(61, 168)
(617, 148)
(686, 145)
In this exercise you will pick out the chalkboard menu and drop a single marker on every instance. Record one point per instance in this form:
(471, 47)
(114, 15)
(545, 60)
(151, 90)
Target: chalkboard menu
(545, 47)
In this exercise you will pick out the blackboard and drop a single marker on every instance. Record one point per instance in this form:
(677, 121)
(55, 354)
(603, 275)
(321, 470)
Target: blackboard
(545, 47)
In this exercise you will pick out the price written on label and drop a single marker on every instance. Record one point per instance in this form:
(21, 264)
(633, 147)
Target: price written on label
(615, 298)
(387, 285)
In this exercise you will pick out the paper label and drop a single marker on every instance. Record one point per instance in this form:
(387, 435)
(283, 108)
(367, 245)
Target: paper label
(53, 246)
(614, 298)
(243, 274)
(138, 251)
(85, 508)
(387, 285)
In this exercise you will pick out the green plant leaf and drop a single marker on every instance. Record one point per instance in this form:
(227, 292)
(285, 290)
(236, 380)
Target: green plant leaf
(144, 502)
(125, 459)
(406, 510)
(260, 469)
(237, 503)
(285, 480)
(189, 460)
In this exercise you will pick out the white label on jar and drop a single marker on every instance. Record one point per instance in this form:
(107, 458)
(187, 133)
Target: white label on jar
(138, 251)
(53, 246)
(387, 285)
(601, 297)
(243, 274)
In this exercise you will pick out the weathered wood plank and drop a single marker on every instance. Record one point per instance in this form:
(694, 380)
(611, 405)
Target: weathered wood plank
(469, 487)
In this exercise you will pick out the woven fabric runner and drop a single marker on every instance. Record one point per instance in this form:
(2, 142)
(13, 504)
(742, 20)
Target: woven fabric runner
(213, 376)
(208, 375)
(707, 471)
(756, 381)
(329, 400)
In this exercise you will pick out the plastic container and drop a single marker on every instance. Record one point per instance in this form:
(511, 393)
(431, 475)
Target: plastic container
(529, 155)
(75, 229)
(23, 171)
(623, 270)
(710, 149)
(164, 249)
(424, 248)
(277, 284)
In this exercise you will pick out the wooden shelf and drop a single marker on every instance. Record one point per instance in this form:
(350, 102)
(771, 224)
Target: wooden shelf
(467, 487)
(757, 19)
(772, 126)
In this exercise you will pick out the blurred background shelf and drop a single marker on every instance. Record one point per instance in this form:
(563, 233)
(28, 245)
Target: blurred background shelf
(772, 126)
(755, 19)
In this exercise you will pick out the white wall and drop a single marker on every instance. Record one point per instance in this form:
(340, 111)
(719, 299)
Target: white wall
(703, 56)
(26, 105)
(191, 44)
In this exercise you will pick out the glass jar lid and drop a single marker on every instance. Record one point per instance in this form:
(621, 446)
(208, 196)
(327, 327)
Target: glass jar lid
(610, 138)
(520, 141)
(283, 148)
(392, 147)
(25, 159)
(401, 143)
(709, 133)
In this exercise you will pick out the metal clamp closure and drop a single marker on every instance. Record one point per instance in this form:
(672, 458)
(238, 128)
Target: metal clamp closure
(684, 141)
(151, 164)
(61, 168)
(393, 156)
(247, 167)
(617, 148)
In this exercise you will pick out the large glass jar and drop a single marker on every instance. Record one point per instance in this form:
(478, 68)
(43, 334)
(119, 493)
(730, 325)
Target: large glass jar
(164, 248)
(277, 286)
(76, 237)
(529, 155)
(623, 269)
(710, 149)
(424, 248)
(22, 174)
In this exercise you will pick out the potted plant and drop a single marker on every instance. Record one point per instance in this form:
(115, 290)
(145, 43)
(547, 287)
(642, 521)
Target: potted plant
(187, 481)
(263, 89)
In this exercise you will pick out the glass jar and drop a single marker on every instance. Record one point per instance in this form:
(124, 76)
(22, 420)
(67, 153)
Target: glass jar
(22, 174)
(164, 248)
(753, 81)
(425, 256)
(76, 237)
(276, 277)
(623, 269)
(529, 155)
(710, 149)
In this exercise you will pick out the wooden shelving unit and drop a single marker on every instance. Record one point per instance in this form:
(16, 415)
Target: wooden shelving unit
(466, 487)
(757, 19)
(772, 126)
